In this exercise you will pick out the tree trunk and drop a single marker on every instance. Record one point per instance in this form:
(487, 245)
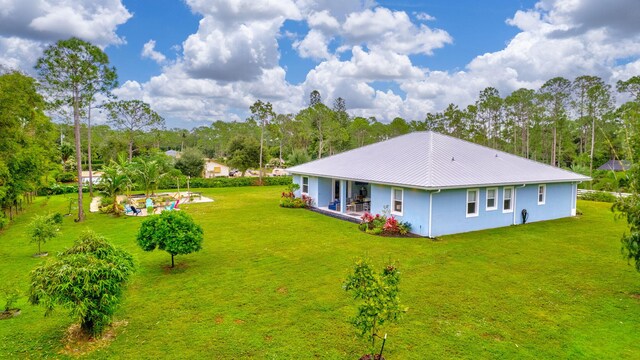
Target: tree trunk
(89, 153)
(172, 263)
(553, 151)
(593, 139)
(76, 125)
(261, 146)
(130, 147)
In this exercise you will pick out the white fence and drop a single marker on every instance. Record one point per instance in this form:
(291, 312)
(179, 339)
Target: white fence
(616, 194)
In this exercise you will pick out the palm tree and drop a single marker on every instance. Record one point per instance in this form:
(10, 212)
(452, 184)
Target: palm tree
(148, 172)
(113, 182)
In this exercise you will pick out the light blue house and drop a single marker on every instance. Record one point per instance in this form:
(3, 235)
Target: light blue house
(439, 184)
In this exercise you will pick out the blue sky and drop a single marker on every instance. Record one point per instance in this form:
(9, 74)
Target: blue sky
(197, 61)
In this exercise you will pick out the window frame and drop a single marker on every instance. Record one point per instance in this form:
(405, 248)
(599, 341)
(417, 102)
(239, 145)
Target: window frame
(544, 194)
(393, 211)
(303, 185)
(495, 199)
(504, 190)
(477, 203)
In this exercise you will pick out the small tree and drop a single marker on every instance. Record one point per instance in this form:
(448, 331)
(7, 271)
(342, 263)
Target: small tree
(42, 229)
(88, 279)
(114, 182)
(379, 295)
(172, 231)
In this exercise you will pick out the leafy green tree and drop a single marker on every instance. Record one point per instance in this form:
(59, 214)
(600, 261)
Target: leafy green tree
(87, 278)
(630, 86)
(520, 111)
(297, 157)
(132, 116)
(378, 293)
(191, 162)
(27, 140)
(359, 131)
(243, 153)
(42, 229)
(555, 95)
(490, 115)
(172, 231)
(72, 71)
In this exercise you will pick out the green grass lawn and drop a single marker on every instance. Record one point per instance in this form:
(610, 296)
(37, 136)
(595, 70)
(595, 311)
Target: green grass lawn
(267, 284)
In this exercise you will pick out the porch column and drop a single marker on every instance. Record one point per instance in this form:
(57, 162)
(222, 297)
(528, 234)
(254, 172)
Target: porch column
(343, 196)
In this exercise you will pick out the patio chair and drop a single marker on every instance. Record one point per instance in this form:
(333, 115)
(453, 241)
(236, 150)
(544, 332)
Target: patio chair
(135, 211)
(127, 209)
(170, 207)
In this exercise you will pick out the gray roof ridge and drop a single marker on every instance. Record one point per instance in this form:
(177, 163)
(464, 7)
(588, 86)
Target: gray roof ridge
(509, 154)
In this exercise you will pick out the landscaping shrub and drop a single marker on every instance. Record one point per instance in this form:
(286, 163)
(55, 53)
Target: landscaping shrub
(288, 198)
(383, 225)
(59, 189)
(87, 278)
(218, 182)
(598, 196)
(66, 177)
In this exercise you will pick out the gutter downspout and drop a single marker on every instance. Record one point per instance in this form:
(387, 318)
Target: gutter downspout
(431, 208)
(515, 199)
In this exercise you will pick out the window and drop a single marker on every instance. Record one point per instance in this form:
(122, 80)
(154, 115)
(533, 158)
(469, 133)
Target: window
(472, 203)
(396, 201)
(305, 185)
(492, 204)
(542, 194)
(507, 199)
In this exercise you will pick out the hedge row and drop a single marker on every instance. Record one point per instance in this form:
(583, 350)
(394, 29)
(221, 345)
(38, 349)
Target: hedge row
(57, 189)
(223, 182)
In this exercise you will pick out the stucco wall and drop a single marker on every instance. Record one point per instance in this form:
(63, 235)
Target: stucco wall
(415, 206)
(449, 208)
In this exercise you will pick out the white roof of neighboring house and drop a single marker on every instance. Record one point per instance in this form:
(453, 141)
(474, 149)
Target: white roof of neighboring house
(95, 174)
(434, 161)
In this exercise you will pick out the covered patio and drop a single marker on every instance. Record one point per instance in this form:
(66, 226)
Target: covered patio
(345, 197)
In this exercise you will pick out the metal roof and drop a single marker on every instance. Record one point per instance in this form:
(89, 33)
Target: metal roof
(434, 161)
(616, 165)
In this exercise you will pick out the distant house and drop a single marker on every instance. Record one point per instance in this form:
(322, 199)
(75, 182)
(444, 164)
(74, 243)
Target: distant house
(174, 154)
(215, 169)
(616, 165)
(439, 184)
(96, 177)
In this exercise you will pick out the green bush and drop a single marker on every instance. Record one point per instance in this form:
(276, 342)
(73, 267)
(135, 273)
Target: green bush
(88, 278)
(66, 177)
(598, 196)
(59, 189)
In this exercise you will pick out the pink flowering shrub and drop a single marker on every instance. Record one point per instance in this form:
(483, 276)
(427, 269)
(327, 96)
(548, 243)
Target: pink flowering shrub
(380, 224)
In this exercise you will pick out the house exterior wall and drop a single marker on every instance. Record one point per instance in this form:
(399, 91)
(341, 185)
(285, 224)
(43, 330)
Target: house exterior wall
(210, 168)
(415, 206)
(449, 208)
